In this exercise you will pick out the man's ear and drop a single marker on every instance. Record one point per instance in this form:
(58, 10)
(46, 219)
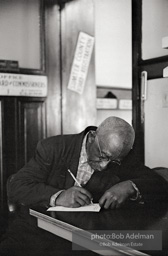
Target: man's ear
(92, 135)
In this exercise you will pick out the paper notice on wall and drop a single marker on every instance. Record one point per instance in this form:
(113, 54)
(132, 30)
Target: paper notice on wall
(23, 85)
(81, 62)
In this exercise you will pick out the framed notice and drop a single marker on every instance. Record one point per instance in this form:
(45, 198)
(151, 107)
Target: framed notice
(23, 85)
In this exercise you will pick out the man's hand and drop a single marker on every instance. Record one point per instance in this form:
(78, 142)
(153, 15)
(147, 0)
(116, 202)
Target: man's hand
(74, 197)
(116, 196)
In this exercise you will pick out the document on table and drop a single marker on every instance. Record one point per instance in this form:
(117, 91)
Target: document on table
(86, 208)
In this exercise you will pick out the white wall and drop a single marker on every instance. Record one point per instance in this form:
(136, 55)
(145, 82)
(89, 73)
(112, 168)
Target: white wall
(113, 50)
(113, 47)
(156, 123)
(154, 27)
(124, 114)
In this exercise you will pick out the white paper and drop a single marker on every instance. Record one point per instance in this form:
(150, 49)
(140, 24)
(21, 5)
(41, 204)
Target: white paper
(86, 208)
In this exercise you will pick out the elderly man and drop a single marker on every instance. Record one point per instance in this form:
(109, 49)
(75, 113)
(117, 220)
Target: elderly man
(105, 170)
(103, 162)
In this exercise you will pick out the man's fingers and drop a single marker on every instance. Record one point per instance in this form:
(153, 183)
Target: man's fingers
(75, 205)
(107, 195)
(81, 195)
(85, 198)
(74, 197)
(84, 192)
(102, 200)
(80, 201)
(108, 200)
(111, 202)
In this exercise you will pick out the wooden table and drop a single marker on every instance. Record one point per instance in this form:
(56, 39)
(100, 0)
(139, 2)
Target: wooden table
(79, 227)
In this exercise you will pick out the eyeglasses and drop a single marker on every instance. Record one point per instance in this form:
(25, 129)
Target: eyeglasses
(105, 158)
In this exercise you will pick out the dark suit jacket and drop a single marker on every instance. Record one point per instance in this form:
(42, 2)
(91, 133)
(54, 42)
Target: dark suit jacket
(46, 173)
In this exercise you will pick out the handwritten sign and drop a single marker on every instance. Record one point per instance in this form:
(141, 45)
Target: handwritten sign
(23, 85)
(81, 62)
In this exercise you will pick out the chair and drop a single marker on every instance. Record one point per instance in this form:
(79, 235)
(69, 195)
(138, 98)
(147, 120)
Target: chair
(12, 206)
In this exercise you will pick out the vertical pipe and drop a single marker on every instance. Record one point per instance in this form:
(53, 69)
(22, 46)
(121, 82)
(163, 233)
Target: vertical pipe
(61, 6)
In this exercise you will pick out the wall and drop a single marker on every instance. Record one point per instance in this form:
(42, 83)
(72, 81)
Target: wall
(122, 112)
(156, 123)
(113, 53)
(154, 27)
(113, 50)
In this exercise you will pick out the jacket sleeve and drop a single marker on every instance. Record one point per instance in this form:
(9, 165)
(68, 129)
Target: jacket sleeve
(151, 185)
(29, 185)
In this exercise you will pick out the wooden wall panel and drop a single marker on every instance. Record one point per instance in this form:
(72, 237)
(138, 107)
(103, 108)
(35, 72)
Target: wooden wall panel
(9, 143)
(22, 125)
(10, 136)
(53, 102)
(67, 111)
(1, 161)
(32, 128)
(78, 111)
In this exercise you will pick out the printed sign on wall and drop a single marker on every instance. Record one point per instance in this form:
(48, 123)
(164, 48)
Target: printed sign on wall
(81, 63)
(23, 85)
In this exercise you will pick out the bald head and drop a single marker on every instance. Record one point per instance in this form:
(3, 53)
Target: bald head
(117, 136)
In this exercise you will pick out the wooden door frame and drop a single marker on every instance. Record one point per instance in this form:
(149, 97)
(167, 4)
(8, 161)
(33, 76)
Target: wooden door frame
(10, 135)
(154, 68)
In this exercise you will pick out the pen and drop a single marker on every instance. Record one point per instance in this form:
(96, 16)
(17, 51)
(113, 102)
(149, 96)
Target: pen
(76, 180)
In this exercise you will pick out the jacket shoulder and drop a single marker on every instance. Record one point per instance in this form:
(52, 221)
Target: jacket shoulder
(65, 138)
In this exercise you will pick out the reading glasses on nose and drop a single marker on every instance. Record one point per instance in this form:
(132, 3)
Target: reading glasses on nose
(104, 157)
